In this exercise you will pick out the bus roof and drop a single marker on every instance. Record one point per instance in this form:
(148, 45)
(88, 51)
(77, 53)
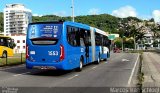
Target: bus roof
(84, 25)
(5, 36)
(74, 24)
(53, 22)
(101, 32)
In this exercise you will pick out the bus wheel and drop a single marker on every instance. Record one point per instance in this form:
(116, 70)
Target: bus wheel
(80, 65)
(4, 55)
(106, 57)
(98, 60)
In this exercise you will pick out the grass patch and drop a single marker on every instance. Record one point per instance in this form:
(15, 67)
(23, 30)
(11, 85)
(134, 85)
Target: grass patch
(15, 60)
(140, 76)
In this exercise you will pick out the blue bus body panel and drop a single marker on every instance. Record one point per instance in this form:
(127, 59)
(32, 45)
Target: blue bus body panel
(40, 55)
(43, 55)
(74, 53)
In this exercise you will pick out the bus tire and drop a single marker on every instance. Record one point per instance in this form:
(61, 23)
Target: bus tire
(4, 55)
(106, 57)
(98, 60)
(80, 65)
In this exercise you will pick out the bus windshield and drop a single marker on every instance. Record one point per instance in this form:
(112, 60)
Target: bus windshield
(45, 33)
(7, 42)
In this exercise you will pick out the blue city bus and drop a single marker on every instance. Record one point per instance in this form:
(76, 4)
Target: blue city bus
(64, 45)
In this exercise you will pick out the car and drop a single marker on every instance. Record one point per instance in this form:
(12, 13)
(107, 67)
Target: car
(116, 50)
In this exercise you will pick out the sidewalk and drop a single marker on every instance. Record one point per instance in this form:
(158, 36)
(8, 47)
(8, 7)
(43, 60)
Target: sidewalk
(151, 69)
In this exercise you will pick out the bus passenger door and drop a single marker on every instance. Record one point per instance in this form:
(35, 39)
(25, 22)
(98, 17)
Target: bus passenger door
(87, 53)
(85, 44)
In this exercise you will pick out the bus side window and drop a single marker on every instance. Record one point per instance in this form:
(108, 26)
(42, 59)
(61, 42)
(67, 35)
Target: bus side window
(5, 42)
(87, 38)
(1, 42)
(98, 39)
(77, 36)
(10, 43)
(69, 35)
(82, 42)
(72, 36)
(82, 37)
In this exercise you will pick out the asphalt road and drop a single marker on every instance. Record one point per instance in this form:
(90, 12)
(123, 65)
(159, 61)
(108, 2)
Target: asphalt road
(118, 71)
(151, 69)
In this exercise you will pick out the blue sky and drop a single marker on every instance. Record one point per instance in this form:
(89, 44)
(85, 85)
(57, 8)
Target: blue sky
(122, 8)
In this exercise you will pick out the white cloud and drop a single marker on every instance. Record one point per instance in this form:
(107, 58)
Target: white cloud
(61, 13)
(156, 15)
(125, 11)
(37, 15)
(94, 11)
(145, 17)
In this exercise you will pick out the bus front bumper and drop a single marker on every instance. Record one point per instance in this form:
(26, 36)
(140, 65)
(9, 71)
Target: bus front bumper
(47, 65)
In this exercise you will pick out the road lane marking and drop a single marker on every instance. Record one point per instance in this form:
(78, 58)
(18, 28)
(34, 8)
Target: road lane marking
(130, 78)
(94, 67)
(125, 60)
(21, 74)
(73, 76)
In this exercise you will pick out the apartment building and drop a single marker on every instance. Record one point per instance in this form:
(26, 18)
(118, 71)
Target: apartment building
(16, 19)
(20, 41)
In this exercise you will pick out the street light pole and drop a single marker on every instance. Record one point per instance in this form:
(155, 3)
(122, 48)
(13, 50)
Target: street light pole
(122, 44)
(72, 10)
(134, 42)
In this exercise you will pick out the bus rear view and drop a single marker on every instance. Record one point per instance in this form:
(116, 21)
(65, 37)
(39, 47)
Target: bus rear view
(44, 47)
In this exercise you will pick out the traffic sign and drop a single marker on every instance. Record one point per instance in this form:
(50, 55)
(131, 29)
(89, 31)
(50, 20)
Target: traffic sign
(111, 37)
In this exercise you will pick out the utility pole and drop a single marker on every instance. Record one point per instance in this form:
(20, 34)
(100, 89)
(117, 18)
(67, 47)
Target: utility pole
(122, 44)
(72, 10)
(134, 42)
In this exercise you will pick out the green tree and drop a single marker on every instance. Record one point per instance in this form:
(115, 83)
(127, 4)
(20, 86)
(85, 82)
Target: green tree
(118, 42)
(1, 22)
(155, 43)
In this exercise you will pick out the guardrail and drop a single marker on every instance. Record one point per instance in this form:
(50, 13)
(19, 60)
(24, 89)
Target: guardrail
(147, 50)
(158, 50)
(15, 60)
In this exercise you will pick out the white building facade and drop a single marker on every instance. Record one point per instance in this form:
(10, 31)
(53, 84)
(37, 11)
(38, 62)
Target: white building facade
(16, 19)
(20, 41)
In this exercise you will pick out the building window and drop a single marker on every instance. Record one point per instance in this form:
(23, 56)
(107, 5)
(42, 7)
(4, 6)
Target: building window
(24, 47)
(18, 47)
(24, 41)
(18, 41)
